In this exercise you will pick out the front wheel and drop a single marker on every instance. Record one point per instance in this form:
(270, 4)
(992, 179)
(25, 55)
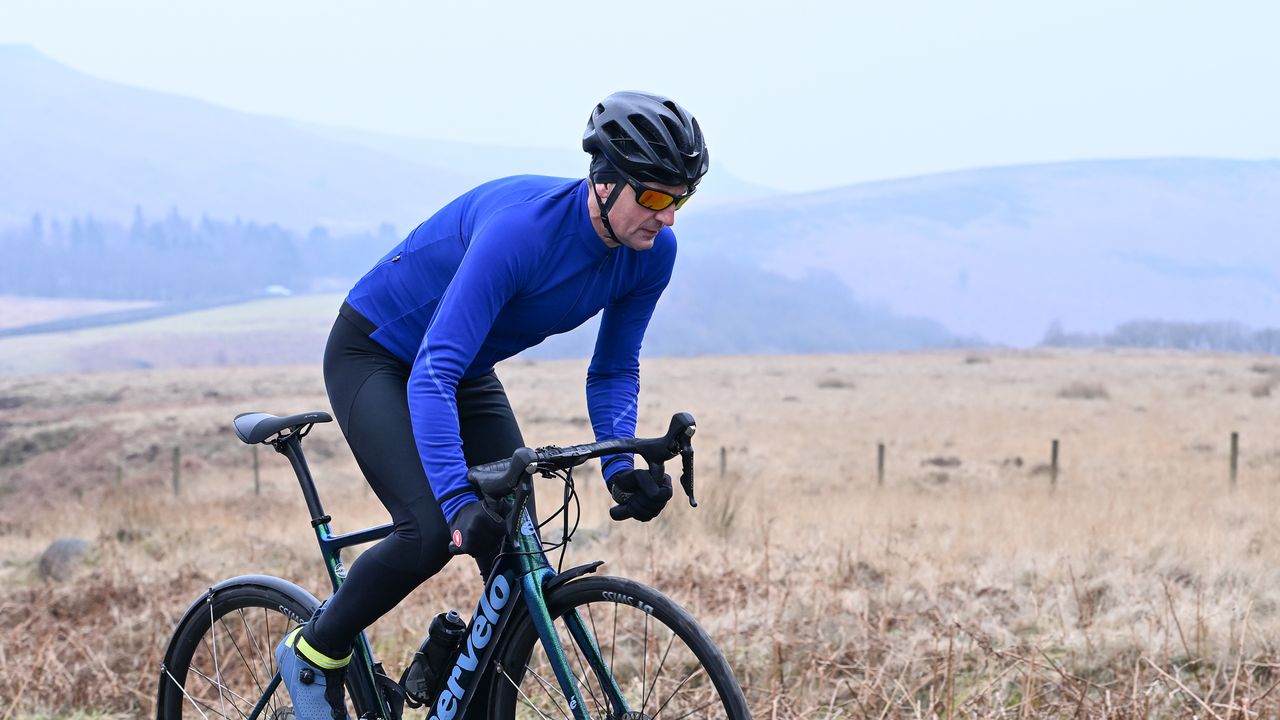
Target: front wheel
(657, 661)
(221, 660)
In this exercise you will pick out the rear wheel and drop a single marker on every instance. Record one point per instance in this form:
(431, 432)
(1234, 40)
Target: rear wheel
(221, 660)
(662, 661)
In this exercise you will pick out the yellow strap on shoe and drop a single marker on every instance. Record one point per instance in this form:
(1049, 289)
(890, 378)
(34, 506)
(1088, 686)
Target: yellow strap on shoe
(314, 656)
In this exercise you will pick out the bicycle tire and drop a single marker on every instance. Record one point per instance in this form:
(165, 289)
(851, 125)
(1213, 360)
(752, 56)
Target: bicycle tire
(222, 654)
(522, 684)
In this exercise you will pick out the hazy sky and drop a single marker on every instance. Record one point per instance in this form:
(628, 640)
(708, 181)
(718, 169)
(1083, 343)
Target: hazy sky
(795, 95)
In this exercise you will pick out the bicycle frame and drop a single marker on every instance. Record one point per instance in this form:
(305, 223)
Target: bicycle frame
(522, 571)
(523, 559)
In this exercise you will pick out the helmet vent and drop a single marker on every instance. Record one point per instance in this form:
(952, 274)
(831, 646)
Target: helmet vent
(647, 129)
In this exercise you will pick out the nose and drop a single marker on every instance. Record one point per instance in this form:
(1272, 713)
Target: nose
(667, 217)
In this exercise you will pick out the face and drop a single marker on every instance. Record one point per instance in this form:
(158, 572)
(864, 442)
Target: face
(635, 225)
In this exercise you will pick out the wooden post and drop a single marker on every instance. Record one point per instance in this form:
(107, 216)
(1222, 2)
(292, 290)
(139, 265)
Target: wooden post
(177, 468)
(1053, 466)
(880, 464)
(257, 480)
(119, 475)
(1235, 457)
(724, 460)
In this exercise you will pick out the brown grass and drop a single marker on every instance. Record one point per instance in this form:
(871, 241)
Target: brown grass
(1141, 587)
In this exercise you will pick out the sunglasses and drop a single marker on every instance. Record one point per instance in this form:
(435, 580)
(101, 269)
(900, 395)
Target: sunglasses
(652, 199)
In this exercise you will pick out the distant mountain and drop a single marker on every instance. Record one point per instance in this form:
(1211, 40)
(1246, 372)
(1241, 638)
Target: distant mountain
(1003, 252)
(491, 161)
(994, 253)
(73, 144)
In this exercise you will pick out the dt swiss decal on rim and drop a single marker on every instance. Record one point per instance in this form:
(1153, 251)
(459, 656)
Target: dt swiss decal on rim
(627, 600)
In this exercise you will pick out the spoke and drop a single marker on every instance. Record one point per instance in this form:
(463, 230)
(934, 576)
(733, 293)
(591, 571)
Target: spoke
(552, 690)
(217, 668)
(613, 640)
(253, 673)
(271, 657)
(253, 639)
(198, 702)
(234, 695)
(658, 673)
(523, 697)
(595, 634)
(210, 708)
(186, 695)
(644, 657)
(708, 703)
(586, 668)
(678, 687)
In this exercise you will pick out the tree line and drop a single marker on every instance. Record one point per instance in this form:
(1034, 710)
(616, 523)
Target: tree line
(176, 258)
(1202, 336)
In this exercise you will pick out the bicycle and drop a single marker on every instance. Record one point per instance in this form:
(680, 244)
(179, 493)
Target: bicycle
(611, 648)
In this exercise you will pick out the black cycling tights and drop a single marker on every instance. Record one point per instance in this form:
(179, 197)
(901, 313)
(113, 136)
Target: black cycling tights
(367, 390)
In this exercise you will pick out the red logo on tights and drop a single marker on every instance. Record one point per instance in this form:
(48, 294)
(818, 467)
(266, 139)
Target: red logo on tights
(457, 538)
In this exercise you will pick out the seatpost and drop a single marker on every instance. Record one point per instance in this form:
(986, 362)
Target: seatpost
(291, 447)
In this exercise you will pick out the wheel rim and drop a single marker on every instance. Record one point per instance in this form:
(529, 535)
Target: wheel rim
(233, 664)
(655, 668)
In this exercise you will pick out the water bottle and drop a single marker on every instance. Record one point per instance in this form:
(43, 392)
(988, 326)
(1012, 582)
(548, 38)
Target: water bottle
(422, 679)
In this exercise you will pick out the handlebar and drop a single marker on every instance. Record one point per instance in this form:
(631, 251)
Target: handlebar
(498, 479)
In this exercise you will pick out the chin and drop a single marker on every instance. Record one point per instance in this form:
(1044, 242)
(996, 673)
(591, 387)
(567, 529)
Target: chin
(642, 241)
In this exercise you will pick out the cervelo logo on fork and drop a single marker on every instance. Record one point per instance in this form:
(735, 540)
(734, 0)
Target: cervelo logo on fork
(487, 614)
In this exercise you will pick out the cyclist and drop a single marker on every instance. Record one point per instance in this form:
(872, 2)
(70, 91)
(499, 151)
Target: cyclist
(409, 362)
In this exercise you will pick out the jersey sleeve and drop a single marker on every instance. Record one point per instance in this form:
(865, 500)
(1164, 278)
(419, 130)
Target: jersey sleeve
(613, 378)
(491, 273)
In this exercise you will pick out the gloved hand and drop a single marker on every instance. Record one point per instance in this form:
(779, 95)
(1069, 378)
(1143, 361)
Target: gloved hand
(638, 494)
(475, 531)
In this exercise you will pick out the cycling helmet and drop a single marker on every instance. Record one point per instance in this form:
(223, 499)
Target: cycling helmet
(647, 137)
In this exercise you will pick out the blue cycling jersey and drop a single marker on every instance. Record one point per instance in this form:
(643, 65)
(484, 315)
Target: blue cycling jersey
(495, 272)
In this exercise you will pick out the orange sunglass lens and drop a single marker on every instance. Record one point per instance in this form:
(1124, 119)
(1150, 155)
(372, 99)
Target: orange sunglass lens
(655, 200)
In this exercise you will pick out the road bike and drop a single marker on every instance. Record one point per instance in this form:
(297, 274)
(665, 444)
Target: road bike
(543, 642)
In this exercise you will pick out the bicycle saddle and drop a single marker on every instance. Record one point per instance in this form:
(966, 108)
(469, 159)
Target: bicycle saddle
(256, 427)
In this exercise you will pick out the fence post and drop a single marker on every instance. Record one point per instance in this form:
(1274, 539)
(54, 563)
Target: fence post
(724, 460)
(880, 464)
(177, 468)
(1053, 466)
(257, 481)
(1235, 457)
(119, 475)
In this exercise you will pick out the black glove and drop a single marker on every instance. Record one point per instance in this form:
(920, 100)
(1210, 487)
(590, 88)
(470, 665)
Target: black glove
(638, 494)
(475, 531)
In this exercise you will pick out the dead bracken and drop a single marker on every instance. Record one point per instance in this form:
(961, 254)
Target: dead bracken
(1078, 390)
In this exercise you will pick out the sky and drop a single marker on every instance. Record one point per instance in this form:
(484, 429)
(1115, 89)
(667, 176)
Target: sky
(795, 96)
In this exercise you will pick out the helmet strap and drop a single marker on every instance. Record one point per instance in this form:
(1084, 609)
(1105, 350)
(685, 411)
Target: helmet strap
(604, 207)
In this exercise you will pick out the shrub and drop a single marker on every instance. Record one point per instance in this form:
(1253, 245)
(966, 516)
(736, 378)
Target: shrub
(1079, 390)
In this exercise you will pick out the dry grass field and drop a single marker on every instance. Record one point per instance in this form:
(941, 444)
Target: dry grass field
(964, 586)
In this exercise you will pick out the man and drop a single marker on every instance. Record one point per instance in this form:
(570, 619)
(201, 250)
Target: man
(409, 363)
